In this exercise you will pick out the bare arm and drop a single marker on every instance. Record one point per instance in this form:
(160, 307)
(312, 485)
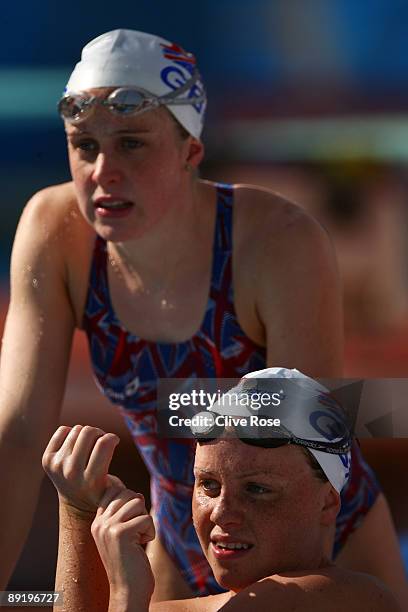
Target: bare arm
(34, 361)
(116, 572)
(77, 462)
(299, 296)
(80, 575)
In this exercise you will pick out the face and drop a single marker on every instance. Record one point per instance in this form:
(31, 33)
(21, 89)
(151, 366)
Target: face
(128, 172)
(258, 512)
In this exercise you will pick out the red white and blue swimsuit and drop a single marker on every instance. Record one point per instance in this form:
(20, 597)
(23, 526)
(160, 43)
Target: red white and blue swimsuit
(127, 370)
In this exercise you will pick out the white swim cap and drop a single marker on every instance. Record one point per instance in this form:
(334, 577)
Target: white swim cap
(309, 413)
(128, 58)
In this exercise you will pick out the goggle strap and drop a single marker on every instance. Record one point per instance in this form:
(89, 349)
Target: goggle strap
(173, 96)
(338, 448)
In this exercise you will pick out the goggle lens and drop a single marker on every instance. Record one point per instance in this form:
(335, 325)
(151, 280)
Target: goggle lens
(128, 101)
(73, 106)
(123, 101)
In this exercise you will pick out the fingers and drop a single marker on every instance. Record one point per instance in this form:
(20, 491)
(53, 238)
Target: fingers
(69, 442)
(60, 443)
(111, 493)
(115, 481)
(101, 455)
(144, 526)
(122, 514)
(121, 508)
(56, 441)
(77, 462)
(115, 499)
(82, 445)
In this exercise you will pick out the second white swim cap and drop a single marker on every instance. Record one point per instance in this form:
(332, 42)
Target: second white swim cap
(126, 58)
(307, 397)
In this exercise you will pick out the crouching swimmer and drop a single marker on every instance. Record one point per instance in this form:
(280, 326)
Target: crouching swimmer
(264, 509)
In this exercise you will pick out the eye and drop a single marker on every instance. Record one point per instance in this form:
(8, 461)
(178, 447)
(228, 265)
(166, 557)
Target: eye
(209, 486)
(131, 143)
(256, 489)
(87, 145)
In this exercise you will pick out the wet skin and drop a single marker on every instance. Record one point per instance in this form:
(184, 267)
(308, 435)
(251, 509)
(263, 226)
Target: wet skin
(139, 161)
(244, 495)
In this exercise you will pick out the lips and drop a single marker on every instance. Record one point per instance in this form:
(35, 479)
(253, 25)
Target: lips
(226, 548)
(112, 207)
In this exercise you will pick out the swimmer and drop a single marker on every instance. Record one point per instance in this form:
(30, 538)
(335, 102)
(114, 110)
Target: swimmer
(169, 276)
(264, 511)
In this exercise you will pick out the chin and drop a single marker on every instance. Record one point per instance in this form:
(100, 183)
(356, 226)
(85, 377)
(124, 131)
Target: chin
(117, 234)
(234, 580)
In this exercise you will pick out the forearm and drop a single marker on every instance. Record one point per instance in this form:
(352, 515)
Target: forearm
(125, 601)
(80, 575)
(20, 479)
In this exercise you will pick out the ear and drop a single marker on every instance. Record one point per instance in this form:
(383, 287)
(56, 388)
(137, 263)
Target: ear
(330, 505)
(194, 152)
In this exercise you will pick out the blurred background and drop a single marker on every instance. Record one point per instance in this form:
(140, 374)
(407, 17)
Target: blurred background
(308, 99)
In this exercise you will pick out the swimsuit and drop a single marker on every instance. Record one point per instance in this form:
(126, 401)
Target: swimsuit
(127, 369)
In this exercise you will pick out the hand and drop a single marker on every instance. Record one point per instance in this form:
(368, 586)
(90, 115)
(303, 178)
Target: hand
(120, 529)
(77, 461)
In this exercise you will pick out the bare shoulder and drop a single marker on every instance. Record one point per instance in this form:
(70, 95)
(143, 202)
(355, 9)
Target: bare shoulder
(331, 589)
(51, 247)
(211, 603)
(54, 209)
(292, 304)
(274, 220)
(40, 231)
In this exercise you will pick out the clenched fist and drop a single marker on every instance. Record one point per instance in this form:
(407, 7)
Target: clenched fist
(77, 461)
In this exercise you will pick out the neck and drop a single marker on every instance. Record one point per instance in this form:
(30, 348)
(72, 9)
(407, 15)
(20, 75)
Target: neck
(184, 229)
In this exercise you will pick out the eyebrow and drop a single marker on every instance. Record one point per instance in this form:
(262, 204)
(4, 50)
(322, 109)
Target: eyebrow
(142, 130)
(79, 132)
(242, 475)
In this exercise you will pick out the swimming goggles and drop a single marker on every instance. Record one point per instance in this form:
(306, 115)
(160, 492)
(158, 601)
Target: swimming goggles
(125, 101)
(265, 438)
(314, 420)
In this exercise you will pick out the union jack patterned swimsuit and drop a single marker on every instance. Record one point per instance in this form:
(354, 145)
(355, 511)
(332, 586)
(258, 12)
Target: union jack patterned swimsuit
(127, 369)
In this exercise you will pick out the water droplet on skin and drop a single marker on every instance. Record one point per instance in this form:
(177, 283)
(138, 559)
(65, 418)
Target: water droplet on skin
(35, 283)
(74, 579)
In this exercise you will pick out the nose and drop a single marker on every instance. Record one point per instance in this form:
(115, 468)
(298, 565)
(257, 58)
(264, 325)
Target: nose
(106, 169)
(227, 511)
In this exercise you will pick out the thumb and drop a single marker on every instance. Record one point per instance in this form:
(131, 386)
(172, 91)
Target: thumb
(114, 482)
